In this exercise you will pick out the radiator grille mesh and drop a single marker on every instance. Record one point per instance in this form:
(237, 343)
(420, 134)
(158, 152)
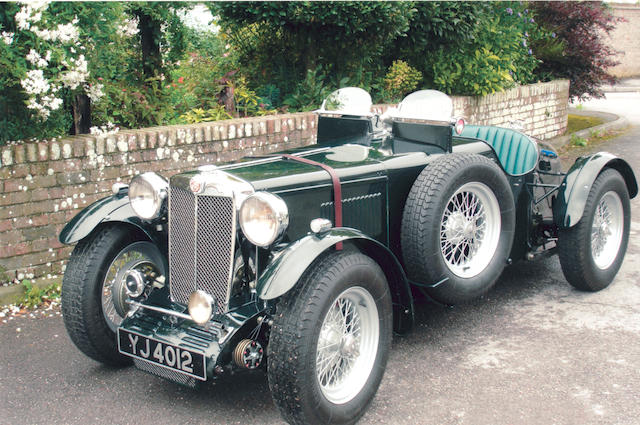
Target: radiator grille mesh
(201, 244)
(182, 249)
(176, 377)
(215, 241)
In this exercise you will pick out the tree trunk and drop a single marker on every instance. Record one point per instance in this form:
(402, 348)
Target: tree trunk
(150, 35)
(81, 113)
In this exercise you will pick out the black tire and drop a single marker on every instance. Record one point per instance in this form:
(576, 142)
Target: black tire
(82, 287)
(424, 219)
(574, 243)
(296, 331)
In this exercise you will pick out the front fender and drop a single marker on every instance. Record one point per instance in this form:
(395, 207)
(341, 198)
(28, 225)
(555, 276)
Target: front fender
(569, 206)
(115, 208)
(287, 268)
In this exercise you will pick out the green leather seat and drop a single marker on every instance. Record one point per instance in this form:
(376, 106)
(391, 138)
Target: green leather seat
(517, 153)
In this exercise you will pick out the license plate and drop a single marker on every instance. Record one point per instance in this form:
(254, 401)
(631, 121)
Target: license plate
(162, 354)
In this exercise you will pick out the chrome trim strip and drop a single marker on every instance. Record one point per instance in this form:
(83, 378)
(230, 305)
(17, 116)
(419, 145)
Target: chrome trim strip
(158, 309)
(274, 158)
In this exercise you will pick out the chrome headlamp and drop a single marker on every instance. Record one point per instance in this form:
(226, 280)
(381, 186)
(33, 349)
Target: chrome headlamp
(200, 307)
(147, 193)
(264, 217)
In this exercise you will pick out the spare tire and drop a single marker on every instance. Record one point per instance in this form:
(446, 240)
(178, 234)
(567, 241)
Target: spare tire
(458, 226)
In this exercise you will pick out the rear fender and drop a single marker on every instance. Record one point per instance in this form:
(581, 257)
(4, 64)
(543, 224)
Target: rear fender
(285, 270)
(115, 208)
(572, 198)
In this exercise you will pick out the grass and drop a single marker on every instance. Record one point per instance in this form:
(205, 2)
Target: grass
(580, 122)
(35, 296)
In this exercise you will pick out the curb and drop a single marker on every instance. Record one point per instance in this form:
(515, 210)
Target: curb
(620, 89)
(615, 122)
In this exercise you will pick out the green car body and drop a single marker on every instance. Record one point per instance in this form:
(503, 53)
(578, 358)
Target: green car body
(376, 174)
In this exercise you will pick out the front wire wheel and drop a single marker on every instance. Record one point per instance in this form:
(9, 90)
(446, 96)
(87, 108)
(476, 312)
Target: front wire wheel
(93, 295)
(347, 345)
(591, 252)
(330, 341)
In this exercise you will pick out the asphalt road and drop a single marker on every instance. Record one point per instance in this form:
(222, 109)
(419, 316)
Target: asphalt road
(532, 351)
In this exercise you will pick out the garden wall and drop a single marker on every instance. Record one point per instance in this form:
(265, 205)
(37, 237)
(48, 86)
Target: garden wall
(44, 184)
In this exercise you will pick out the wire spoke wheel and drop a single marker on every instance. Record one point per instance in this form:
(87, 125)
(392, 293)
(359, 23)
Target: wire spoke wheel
(347, 345)
(606, 230)
(113, 294)
(592, 250)
(470, 229)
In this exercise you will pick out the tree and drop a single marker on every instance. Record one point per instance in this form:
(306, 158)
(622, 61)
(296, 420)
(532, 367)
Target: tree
(151, 18)
(279, 42)
(580, 53)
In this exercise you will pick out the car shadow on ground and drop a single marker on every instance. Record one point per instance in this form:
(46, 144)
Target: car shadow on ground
(435, 328)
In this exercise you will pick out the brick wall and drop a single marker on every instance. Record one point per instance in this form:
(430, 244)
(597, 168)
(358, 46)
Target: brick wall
(541, 107)
(626, 39)
(44, 184)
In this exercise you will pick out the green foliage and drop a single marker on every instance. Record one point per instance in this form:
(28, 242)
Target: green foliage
(59, 46)
(498, 55)
(35, 296)
(279, 42)
(248, 103)
(309, 93)
(198, 115)
(269, 95)
(578, 141)
(401, 80)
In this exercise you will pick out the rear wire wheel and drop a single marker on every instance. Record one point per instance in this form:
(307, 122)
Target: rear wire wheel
(591, 252)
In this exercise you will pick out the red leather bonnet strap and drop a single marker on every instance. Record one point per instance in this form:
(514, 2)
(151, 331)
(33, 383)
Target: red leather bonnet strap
(337, 188)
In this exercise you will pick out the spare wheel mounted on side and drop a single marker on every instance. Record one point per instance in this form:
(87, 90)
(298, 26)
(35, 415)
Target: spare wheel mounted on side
(458, 226)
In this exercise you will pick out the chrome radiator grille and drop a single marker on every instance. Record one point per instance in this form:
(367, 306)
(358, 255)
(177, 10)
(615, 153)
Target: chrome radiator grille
(201, 245)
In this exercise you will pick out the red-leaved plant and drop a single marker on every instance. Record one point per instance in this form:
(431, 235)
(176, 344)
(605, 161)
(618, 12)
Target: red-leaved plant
(577, 50)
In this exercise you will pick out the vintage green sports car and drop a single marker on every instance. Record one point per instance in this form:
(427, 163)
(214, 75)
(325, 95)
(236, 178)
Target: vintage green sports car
(304, 262)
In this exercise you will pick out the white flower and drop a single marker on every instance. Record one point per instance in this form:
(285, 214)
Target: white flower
(37, 60)
(22, 18)
(35, 83)
(7, 37)
(104, 130)
(128, 29)
(77, 75)
(39, 5)
(67, 32)
(94, 92)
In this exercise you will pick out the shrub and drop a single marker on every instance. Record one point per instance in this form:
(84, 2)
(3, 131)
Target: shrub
(198, 115)
(308, 93)
(401, 79)
(497, 56)
(580, 53)
(280, 42)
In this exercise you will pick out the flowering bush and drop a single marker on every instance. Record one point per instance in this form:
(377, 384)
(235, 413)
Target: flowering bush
(45, 51)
